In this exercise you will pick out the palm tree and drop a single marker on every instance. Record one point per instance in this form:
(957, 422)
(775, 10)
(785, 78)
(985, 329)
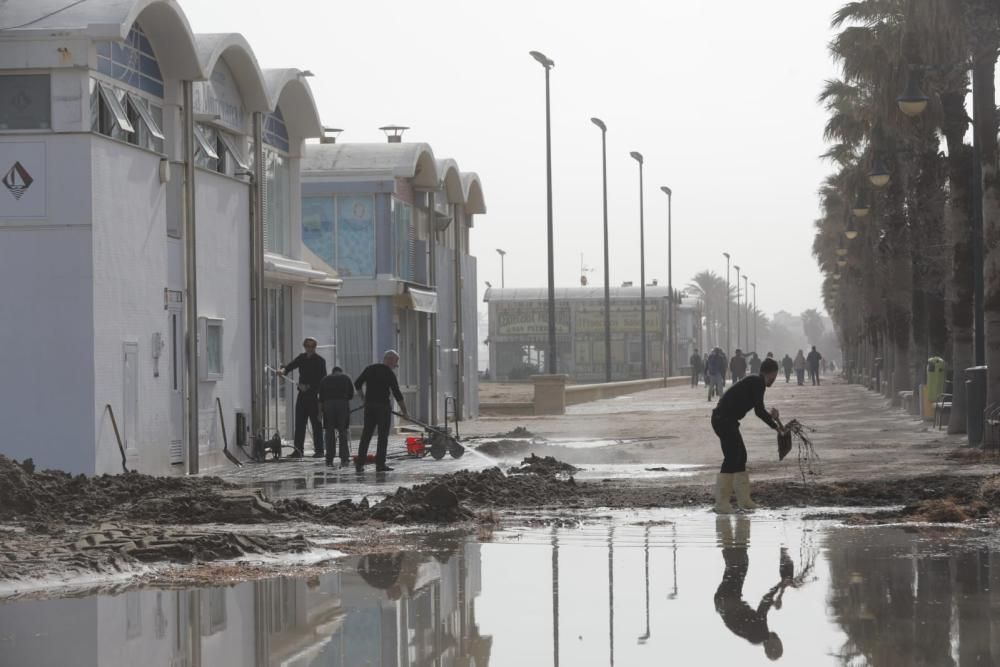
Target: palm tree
(812, 326)
(710, 289)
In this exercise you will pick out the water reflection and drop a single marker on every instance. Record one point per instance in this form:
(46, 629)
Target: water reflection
(391, 609)
(755, 590)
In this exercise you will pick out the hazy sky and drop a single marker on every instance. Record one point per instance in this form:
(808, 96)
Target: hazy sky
(720, 97)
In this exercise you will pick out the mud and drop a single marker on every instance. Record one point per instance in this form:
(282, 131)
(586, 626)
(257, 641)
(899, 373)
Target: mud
(546, 465)
(505, 448)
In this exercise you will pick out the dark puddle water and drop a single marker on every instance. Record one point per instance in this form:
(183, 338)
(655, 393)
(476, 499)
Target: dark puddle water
(699, 591)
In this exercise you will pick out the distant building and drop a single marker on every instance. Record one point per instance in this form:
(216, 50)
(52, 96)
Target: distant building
(518, 332)
(394, 222)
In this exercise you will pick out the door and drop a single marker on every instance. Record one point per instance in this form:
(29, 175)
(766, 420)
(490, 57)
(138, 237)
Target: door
(277, 351)
(130, 396)
(175, 348)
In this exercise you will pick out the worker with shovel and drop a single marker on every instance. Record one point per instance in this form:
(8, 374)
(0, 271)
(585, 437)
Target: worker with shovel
(375, 384)
(742, 397)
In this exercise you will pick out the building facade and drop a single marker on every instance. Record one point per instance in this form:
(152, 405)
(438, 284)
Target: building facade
(518, 332)
(107, 246)
(394, 222)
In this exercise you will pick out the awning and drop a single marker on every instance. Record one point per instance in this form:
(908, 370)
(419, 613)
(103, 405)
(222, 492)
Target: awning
(284, 269)
(422, 301)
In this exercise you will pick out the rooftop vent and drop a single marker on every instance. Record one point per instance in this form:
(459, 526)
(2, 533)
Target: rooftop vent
(394, 133)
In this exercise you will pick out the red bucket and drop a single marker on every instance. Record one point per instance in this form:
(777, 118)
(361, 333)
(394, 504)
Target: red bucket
(415, 445)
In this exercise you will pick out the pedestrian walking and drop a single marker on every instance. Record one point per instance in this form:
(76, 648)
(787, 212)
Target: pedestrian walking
(716, 369)
(742, 397)
(704, 366)
(335, 393)
(738, 366)
(754, 363)
(312, 370)
(812, 362)
(375, 384)
(787, 365)
(696, 368)
(800, 368)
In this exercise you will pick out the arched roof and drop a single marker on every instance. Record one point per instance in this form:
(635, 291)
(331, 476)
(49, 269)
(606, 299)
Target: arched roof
(163, 21)
(288, 89)
(451, 180)
(404, 160)
(236, 51)
(473, 192)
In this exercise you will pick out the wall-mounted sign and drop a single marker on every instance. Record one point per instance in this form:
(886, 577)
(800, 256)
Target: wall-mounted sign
(22, 180)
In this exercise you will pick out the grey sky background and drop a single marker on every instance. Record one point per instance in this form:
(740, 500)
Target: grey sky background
(720, 97)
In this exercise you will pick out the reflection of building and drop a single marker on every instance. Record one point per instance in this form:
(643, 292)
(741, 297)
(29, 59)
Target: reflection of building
(394, 222)
(412, 611)
(518, 326)
(93, 254)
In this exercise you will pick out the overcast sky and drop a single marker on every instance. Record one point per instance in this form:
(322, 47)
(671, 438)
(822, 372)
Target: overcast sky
(720, 97)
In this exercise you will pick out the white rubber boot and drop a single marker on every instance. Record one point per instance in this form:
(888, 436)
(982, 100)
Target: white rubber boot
(741, 483)
(723, 493)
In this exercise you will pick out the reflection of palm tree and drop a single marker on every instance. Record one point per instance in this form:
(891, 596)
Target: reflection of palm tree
(741, 619)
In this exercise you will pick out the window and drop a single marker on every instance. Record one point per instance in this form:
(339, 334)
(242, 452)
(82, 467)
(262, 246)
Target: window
(275, 133)
(210, 348)
(25, 102)
(319, 320)
(277, 201)
(402, 223)
(318, 229)
(131, 62)
(231, 158)
(126, 116)
(205, 141)
(356, 236)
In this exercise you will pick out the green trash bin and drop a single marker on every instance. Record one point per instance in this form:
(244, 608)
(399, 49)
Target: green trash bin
(935, 385)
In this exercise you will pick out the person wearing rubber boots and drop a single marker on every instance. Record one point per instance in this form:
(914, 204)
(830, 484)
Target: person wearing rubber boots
(375, 384)
(312, 370)
(742, 397)
(335, 393)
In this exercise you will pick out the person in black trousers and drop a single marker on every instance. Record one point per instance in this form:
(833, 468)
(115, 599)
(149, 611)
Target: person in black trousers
(335, 393)
(375, 384)
(312, 370)
(742, 397)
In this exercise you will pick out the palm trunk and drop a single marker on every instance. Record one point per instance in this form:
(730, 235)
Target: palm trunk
(959, 238)
(983, 73)
(899, 289)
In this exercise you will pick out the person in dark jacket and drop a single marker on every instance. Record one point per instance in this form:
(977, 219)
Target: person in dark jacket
(335, 393)
(312, 370)
(754, 363)
(740, 618)
(742, 397)
(696, 369)
(375, 384)
(787, 365)
(812, 361)
(716, 369)
(738, 366)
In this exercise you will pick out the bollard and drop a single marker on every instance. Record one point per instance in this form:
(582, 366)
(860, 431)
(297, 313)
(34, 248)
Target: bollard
(975, 396)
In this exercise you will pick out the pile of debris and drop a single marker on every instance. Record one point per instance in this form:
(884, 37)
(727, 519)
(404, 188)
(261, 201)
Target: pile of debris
(546, 465)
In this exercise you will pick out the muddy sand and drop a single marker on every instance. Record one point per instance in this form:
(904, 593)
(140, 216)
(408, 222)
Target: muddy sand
(55, 523)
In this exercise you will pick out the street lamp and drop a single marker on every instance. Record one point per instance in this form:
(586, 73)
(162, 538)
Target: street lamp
(861, 206)
(502, 253)
(728, 322)
(746, 306)
(879, 174)
(913, 101)
(607, 277)
(755, 317)
(737, 306)
(637, 156)
(670, 279)
(551, 354)
(852, 231)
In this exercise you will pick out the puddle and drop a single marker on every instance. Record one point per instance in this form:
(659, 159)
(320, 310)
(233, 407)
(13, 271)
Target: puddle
(686, 589)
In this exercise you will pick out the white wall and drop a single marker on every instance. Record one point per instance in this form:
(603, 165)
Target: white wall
(223, 235)
(46, 323)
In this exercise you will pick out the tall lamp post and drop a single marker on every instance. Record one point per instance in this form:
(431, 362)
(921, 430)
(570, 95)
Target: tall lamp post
(746, 308)
(502, 253)
(637, 156)
(755, 316)
(738, 330)
(670, 279)
(607, 277)
(550, 355)
(728, 309)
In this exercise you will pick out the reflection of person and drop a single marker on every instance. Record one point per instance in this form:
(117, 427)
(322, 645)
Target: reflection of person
(740, 618)
(742, 397)
(312, 370)
(335, 393)
(375, 384)
(381, 571)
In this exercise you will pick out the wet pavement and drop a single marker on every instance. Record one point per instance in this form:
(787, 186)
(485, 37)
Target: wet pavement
(635, 588)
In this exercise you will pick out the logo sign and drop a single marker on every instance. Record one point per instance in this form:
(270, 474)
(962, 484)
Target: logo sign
(23, 177)
(17, 180)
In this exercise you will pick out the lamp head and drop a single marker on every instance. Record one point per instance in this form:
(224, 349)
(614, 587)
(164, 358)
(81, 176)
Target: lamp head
(666, 190)
(879, 175)
(540, 57)
(913, 101)
(637, 156)
(599, 123)
(501, 252)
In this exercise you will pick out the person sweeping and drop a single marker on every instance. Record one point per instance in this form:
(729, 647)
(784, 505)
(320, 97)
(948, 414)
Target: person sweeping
(742, 397)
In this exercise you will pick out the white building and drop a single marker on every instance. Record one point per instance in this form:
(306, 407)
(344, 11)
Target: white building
(95, 285)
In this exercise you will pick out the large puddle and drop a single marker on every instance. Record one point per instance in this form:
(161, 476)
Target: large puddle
(627, 589)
